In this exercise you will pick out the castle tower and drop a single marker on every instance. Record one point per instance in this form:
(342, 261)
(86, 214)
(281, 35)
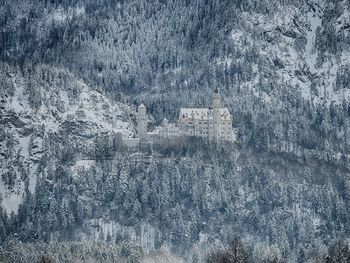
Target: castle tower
(216, 114)
(142, 121)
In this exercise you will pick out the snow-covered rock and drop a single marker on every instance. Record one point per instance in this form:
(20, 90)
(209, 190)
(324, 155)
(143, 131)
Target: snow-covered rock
(70, 110)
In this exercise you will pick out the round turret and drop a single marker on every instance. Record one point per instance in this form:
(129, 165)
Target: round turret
(141, 110)
(216, 90)
(141, 121)
(216, 98)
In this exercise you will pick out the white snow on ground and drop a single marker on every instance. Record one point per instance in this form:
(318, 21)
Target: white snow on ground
(310, 51)
(11, 202)
(32, 180)
(24, 145)
(310, 54)
(19, 102)
(11, 199)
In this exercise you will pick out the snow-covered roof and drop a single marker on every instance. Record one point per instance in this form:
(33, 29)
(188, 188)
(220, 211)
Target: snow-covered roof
(142, 106)
(202, 113)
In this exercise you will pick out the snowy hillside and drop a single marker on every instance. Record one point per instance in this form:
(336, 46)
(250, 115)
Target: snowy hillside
(70, 72)
(289, 40)
(30, 121)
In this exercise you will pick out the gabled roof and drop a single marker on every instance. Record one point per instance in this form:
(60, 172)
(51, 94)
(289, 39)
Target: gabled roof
(202, 113)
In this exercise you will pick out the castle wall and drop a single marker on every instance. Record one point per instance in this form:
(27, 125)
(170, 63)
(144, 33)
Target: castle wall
(212, 123)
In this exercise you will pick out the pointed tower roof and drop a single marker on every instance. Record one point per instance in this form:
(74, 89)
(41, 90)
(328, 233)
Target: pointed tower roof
(216, 90)
(142, 106)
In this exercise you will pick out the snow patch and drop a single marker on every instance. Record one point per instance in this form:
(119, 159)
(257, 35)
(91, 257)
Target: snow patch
(24, 145)
(310, 51)
(11, 198)
(32, 177)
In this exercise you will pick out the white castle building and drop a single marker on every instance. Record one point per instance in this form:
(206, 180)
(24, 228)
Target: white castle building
(213, 123)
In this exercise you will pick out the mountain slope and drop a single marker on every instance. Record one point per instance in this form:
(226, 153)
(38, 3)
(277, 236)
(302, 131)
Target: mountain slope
(70, 71)
(40, 113)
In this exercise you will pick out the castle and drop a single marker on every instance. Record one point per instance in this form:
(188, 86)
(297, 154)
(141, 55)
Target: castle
(213, 123)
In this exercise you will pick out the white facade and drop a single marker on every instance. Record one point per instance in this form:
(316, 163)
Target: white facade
(212, 123)
(169, 130)
(203, 122)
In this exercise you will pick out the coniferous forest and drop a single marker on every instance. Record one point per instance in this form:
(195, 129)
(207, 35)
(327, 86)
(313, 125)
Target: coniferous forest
(72, 71)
